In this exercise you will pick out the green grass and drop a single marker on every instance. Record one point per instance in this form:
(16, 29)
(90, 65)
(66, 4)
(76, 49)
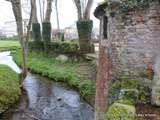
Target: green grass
(8, 44)
(9, 88)
(119, 111)
(57, 70)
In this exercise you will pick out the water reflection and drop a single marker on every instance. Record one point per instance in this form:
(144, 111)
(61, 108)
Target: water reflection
(47, 100)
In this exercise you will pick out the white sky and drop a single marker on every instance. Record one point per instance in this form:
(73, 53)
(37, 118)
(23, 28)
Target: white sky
(67, 13)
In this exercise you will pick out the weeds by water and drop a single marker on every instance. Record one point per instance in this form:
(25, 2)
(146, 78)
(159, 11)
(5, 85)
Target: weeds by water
(9, 87)
(60, 71)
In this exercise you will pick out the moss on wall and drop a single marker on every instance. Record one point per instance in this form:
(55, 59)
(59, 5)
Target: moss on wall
(130, 85)
(128, 5)
(119, 111)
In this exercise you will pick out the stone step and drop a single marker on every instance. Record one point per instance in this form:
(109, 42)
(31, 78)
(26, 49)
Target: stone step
(92, 56)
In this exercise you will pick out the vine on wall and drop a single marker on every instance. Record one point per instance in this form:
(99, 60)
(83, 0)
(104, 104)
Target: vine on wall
(128, 5)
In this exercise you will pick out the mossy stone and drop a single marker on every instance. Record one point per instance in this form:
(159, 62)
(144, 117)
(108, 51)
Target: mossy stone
(119, 111)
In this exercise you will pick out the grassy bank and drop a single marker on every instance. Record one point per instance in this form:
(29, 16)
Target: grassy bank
(8, 45)
(9, 88)
(60, 71)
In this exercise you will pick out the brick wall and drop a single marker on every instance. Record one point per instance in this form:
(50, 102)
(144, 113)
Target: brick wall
(135, 38)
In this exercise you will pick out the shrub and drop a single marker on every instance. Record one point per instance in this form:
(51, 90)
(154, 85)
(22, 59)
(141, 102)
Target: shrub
(130, 95)
(64, 47)
(86, 88)
(133, 90)
(56, 47)
(14, 38)
(36, 46)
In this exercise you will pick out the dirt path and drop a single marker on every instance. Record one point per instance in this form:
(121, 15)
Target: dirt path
(86, 70)
(89, 73)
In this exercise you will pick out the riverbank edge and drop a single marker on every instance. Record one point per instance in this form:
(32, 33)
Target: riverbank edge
(86, 88)
(9, 88)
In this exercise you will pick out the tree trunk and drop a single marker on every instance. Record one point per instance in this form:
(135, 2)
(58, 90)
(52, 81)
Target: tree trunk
(36, 28)
(88, 10)
(24, 63)
(40, 10)
(16, 6)
(57, 14)
(84, 31)
(79, 9)
(84, 25)
(48, 11)
(46, 34)
(34, 18)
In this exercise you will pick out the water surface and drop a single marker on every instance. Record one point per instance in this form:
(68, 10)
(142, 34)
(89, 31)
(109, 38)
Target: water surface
(45, 99)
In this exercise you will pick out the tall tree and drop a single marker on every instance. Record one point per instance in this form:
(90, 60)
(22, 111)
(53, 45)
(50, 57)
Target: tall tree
(40, 10)
(34, 18)
(79, 9)
(36, 28)
(57, 19)
(48, 11)
(57, 14)
(46, 26)
(88, 10)
(23, 37)
(84, 24)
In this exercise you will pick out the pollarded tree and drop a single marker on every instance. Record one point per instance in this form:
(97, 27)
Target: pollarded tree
(84, 24)
(46, 25)
(48, 11)
(36, 29)
(57, 14)
(57, 17)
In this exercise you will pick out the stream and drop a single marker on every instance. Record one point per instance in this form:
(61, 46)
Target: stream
(45, 99)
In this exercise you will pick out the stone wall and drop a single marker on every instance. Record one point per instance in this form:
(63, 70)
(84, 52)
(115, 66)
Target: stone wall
(135, 38)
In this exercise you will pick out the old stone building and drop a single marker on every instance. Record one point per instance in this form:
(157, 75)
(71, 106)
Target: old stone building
(134, 37)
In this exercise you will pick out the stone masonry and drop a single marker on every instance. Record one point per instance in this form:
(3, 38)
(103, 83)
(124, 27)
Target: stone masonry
(135, 39)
